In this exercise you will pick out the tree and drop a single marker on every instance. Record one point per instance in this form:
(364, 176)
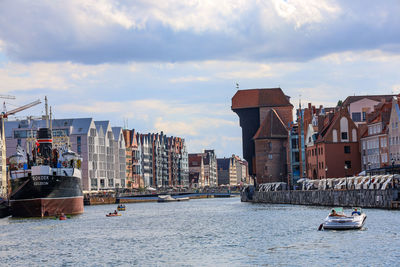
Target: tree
(339, 103)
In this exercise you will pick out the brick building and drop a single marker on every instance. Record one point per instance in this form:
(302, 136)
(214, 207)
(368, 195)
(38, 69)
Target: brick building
(264, 115)
(334, 150)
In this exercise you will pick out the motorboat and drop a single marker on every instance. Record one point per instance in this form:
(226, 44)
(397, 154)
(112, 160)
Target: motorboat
(121, 207)
(166, 198)
(338, 220)
(112, 214)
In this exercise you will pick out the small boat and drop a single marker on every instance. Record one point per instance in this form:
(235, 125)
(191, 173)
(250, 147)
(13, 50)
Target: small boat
(113, 215)
(166, 198)
(62, 218)
(337, 220)
(121, 208)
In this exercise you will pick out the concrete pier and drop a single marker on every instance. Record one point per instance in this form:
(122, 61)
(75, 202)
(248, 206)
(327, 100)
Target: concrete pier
(365, 198)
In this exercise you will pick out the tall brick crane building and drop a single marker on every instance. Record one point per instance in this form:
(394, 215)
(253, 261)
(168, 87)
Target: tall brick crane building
(264, 115)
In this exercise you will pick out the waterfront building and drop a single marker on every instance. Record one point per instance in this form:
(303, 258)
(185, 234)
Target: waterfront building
(334, 150)
(265, 115)
(374, 138)
(227, 171)
(242, 171)
(157, 160)
(93, 140)
(296, 154)
(313, 120)
(210, 168)
(196, 170)
(394, 133)
(359, 106)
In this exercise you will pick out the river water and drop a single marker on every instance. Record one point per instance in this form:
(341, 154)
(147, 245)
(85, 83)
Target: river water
(205, 232)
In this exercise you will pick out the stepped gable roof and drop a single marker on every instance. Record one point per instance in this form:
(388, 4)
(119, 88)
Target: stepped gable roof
(355, 98)
(254, 98)
(272, 127)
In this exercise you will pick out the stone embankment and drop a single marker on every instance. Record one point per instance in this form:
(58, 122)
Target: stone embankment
(384, 199)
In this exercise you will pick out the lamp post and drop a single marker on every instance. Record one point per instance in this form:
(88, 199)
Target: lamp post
(345, 175)
(369, 168)
(393, 173)
(326, 176)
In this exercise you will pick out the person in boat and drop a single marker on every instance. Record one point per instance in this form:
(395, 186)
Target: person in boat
(115, 212)
(355, 212)
(334, 213)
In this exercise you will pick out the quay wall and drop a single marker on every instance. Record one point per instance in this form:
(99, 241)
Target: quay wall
(384, 199)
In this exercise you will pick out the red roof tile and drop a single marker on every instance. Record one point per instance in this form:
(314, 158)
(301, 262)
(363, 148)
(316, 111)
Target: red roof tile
(252, 98)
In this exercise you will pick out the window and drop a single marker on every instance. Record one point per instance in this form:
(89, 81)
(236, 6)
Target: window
(269, 156)
(347, 149)
(344, 136)
(356, 116)
(364, 116)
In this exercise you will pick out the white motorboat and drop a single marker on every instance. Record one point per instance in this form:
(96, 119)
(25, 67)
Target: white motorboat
(337, 220)
(165, 198)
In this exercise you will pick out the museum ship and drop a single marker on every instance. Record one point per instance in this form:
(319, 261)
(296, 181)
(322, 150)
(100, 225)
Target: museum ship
(45, 182)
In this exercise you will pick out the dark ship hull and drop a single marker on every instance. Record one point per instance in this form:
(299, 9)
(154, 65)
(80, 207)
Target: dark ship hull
(46, 195)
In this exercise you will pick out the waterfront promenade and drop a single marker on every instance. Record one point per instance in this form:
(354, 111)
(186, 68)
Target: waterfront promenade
(365, 198)
(128, 196)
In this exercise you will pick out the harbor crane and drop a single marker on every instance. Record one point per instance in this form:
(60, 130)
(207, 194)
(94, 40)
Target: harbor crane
(3, 159)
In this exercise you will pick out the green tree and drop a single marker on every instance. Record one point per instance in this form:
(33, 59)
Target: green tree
(339, 103)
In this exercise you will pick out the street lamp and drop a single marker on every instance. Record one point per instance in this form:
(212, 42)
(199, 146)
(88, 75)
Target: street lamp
(393, 173)
(326, 177)
(345, 175)
(369, 168)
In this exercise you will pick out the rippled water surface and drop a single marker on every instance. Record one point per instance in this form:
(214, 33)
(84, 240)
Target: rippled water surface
(207, 232)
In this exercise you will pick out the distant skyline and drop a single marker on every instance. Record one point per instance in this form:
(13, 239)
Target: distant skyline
(172, 66)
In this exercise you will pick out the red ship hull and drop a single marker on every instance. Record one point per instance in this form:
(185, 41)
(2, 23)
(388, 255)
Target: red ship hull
(43, 207)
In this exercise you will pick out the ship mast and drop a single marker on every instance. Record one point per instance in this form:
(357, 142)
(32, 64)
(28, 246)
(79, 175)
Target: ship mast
(47, 113)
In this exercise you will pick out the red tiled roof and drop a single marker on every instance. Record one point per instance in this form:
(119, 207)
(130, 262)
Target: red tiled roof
(252, 98)
(272, 127)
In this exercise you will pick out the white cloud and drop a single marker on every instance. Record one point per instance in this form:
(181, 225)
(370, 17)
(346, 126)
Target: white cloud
(300, 12)
(51, 76)
(374, 55)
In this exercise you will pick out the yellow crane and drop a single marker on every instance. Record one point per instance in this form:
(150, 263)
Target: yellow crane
(3, 164)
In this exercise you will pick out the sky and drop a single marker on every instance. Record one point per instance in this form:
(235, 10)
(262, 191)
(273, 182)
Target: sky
(173, 65)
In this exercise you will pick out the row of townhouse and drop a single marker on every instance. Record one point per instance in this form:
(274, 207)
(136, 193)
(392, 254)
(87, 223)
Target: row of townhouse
(360, 135)
(101, 147)
(206, 170)
(155, 160)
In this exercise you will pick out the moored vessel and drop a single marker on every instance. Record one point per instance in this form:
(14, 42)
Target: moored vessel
(46, 182)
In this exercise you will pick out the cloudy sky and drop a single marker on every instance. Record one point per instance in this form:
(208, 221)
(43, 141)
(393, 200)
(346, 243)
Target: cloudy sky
(173, 65)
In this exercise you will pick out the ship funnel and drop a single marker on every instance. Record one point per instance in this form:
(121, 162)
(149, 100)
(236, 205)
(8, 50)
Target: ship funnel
(45, 141)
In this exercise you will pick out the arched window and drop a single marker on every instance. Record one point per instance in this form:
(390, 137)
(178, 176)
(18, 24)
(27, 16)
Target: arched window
(344, 129)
